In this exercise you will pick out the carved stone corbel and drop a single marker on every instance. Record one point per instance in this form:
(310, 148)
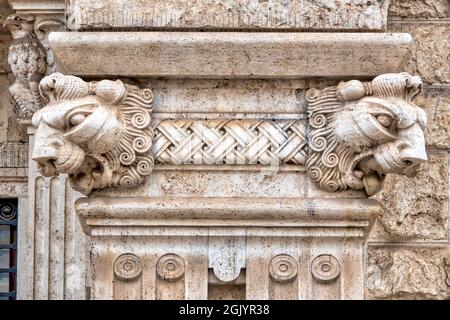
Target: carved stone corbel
(97, 132)
(359, 131)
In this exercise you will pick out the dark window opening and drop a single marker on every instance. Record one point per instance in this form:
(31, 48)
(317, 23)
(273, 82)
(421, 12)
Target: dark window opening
(8, 249)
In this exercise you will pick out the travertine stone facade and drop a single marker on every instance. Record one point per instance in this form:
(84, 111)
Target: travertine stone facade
(229, 14)
(408, 272)
(238, 165)
(420, 211)
(410, 254)
(51, 250)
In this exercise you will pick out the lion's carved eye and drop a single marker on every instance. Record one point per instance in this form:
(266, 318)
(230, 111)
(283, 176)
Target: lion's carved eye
(77, 119)
(384, 120)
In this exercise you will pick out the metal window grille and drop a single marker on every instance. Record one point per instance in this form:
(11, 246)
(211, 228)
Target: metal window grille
(8, 249)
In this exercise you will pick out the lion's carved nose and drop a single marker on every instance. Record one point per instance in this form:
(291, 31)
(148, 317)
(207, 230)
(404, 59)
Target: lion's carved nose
(414, 155)
(412, 146)
(44, 155)
(46, 148)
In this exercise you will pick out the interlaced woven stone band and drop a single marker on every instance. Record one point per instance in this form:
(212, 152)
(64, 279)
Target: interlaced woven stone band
(266, 142)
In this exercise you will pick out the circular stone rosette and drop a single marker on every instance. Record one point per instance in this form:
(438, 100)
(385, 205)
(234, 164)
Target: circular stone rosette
(170, 267)
(128, 266)
(283, 268)
(325, 268)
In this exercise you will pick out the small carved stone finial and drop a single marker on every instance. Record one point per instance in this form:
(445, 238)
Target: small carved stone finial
(128, 267)
(360, 131)
(283, 268)
(27, 58)
(325, 268)
(98, 133)
(170, 267)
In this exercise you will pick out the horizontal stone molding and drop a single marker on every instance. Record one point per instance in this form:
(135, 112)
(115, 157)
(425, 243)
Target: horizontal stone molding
(230, 167)
(232, 209)
(229, 54)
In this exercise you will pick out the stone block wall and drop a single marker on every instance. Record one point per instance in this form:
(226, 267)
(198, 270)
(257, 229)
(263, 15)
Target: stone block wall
(409, 248)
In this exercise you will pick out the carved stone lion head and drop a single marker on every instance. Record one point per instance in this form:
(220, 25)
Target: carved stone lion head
(359, 131)
(98, 133)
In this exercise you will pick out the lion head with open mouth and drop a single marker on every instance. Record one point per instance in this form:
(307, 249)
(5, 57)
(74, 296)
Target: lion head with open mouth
(360, 131)
(98, 133)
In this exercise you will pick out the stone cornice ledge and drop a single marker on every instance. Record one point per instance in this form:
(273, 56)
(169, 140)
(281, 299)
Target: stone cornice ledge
(229, 54)
(38, 6)
(114, 214)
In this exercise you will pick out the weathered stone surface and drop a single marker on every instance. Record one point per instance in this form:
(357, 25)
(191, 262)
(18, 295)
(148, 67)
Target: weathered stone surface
(436, 103)
(227, 97)
(229, 54)
(417, 208)
(10, 129)
(5, 40)
(5, 10)
(415, 9)
(4, 103)
(430, 54)
(253, 14)
(13, 155)
(13, 183)
(408, 273)
(430, 51)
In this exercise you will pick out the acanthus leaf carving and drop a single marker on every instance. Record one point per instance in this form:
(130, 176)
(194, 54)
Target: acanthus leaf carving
(99, 133)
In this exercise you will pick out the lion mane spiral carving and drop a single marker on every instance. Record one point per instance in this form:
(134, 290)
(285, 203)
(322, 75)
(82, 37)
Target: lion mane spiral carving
(100, 134)
(326, 157)
(359, 131)
(101, 131)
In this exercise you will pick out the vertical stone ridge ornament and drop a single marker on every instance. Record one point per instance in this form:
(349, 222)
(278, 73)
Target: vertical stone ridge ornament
(359, 131)
(98, 133)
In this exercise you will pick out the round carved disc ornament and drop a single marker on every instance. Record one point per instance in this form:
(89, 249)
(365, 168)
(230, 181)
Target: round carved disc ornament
(325, 268)
(283, 268)
(128, 266)
(170, 267)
